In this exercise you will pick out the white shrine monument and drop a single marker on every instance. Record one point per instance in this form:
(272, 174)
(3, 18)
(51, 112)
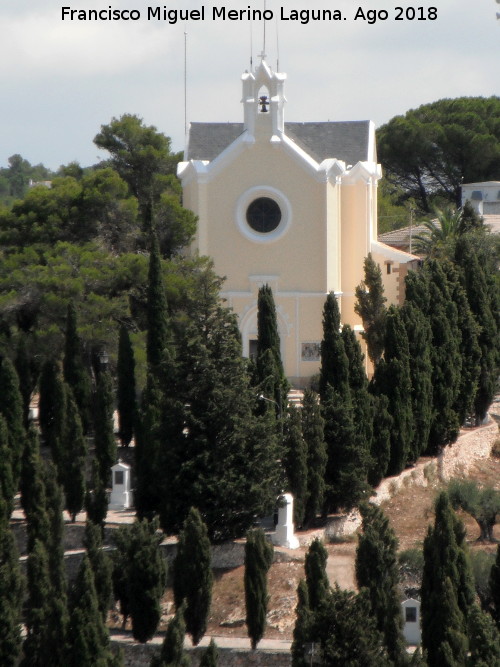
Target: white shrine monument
(411, 621)
(121, 492)
(284, 535)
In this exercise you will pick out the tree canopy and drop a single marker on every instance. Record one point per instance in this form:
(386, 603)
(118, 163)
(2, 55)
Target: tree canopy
(432, 150)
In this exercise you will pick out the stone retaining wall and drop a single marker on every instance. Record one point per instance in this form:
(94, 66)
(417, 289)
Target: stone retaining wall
(140, 655)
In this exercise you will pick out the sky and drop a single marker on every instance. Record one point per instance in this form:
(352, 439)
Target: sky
(60, 80)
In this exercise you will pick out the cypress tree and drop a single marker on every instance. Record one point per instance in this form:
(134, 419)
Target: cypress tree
(24, 368)
(211, 656)
(144, 577)
(380, 453)
(57, 570)
(302, 628)
(392, 378)
(482, 294)
(126, 390)
(7, 488)
(172, 651)
(258, 560)
(157, 311)
(334, 370)
(104, 437)
(370, 306)
(75, 454)
(148, 465)
(96, 498)
(377, 571)
(11, 594)
(11, 408)
(495, 588)
(447, 590)
(484, 639)
(470, 352)
(314, 435)
(446, 360)
(347, 631)
(419, 336)
(102, 566)
(192, 575)
(32, 486)
(226, 458)
(318, 586)
(348, 458)
(88, 640)
(296, 463)
(37, 646)
(74, 370)
(268, 339)
(358, 384)
(53, 410)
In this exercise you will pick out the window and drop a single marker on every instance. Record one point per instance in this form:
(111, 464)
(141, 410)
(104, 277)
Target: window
(263, 215)
(118, 477)
(389, 268)
(411, 614)
(252, 348)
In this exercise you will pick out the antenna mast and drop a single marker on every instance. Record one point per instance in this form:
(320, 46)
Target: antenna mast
(277, 48)
(264, 45)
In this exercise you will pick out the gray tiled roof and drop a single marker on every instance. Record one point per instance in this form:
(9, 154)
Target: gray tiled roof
(347, 140)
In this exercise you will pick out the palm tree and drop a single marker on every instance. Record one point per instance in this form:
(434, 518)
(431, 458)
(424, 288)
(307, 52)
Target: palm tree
(438, 232)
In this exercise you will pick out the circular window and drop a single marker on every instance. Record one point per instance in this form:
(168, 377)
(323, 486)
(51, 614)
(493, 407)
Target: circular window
(263, 215)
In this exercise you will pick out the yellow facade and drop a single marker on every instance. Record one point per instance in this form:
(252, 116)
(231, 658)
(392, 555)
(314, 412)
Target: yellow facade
(326, 210)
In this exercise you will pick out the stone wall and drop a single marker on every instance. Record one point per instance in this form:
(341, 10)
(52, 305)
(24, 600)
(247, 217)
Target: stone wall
(140, 655)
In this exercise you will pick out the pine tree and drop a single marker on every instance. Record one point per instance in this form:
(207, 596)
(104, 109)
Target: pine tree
(7, 488)
(392, 378)
(377, 571)
(157, 312)
(313, 433)
(11, 408)
(419, 336)
(172, 651)
(370, 306)
(75, 454)
(102, 566)
(258, 560)
(495, 588)
(484, 639)
(316, 577)
(74, 370)
(334, 371)
(88, 640)
(126, 390)
(144, 576)
(296, 463)
(348, 458)
(11, 594)
(104, 437)
(192, 575)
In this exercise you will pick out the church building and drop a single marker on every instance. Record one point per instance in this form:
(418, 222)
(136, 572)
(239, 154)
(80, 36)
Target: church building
(293, 205)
